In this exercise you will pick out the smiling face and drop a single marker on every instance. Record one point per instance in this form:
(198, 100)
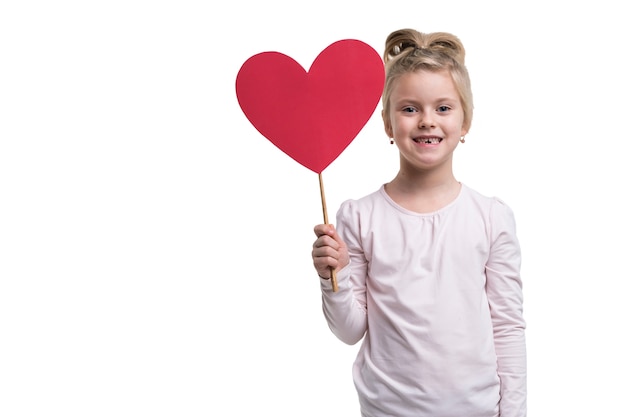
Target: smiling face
(425, 118)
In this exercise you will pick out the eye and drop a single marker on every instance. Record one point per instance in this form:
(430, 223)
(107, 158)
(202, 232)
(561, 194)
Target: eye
(443, 109)
(409, 109)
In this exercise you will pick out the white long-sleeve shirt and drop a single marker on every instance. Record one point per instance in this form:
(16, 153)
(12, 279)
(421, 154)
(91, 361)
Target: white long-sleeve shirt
(438, 300)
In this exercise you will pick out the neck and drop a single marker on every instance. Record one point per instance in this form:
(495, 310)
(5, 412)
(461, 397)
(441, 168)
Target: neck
(423, 191)
(430, 180)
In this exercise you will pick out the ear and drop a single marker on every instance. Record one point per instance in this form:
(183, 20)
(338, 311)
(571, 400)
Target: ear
(387, 123)
(465, 128)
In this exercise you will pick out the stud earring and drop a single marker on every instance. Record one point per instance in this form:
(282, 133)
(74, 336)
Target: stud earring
(391, 141)
(462, 139)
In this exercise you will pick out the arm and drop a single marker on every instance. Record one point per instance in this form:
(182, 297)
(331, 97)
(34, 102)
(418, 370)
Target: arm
(504, 291)
(345, 310)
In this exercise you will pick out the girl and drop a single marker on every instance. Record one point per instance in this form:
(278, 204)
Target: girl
(428, 269)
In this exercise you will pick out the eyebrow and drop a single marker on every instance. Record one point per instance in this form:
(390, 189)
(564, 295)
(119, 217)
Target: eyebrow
(440, 100)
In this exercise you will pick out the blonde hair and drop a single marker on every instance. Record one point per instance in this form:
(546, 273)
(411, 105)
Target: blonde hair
(407, 50)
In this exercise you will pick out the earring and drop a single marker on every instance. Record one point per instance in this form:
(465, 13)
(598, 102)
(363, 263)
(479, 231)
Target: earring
(462, 139)
(391, 141)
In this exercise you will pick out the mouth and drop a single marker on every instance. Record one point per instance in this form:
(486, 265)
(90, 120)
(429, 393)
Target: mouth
(430, 140)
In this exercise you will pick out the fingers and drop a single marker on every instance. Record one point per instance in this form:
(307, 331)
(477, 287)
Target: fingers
(327, 237)
(326, 249)
(324, 229)
(323, 264)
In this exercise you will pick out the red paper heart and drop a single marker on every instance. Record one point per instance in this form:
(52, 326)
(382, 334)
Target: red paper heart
(314, 116)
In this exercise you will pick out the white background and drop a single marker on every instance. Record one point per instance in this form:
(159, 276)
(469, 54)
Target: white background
(155, 248)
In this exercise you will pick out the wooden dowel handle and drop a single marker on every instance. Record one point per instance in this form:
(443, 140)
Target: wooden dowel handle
(333, 274)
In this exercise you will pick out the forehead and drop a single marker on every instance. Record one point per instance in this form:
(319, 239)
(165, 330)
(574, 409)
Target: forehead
(425, 83)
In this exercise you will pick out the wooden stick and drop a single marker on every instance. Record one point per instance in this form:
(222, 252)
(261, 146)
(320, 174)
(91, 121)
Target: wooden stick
(333, 274)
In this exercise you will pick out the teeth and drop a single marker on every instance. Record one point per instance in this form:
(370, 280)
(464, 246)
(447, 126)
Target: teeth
(428, 140)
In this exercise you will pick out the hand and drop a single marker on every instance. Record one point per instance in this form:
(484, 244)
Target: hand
(329, 251)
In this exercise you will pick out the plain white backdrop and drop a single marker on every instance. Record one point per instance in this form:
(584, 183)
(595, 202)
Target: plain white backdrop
(155, 248)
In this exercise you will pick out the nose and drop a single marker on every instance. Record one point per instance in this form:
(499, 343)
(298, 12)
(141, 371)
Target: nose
(426, 120)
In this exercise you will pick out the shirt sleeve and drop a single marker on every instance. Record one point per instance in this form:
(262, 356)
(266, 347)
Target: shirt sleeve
(504, 291)
(346, 309)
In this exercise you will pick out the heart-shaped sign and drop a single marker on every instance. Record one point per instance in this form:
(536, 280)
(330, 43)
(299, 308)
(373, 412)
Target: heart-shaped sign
(312, 116)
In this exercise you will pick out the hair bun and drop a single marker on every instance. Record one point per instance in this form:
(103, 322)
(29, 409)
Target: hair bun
(403, 39)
